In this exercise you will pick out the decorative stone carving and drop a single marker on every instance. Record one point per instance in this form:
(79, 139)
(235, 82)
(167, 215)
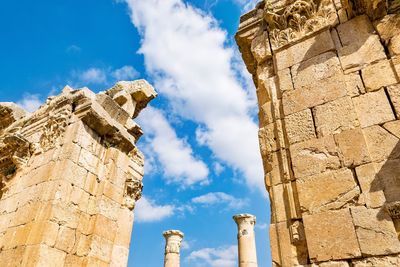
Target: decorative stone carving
(133, 192)
(291, 22)
(54, 130)
(296, 232)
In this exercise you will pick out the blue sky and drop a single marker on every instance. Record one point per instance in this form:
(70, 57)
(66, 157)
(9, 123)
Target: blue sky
(202, 158)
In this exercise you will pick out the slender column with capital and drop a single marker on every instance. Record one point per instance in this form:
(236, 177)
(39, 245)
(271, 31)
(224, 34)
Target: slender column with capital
(246, 240)
(173, 239)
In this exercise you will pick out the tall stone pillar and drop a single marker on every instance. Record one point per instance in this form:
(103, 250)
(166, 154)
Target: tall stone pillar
(246, 240)
(173, 240)
(70, 175)
(327, 77)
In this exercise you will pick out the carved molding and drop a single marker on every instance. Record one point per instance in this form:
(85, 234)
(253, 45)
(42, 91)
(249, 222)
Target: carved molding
(53, 130)
(291, 22)
(133, 192)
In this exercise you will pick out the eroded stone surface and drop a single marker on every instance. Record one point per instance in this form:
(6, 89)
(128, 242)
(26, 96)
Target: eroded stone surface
(300, 126)
(373, 108)
(323, 236)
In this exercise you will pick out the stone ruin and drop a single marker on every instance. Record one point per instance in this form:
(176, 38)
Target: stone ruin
(70, 175)
(327, 78)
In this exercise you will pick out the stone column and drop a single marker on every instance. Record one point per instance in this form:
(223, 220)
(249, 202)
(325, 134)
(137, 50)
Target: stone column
(173, 239)
(246, 240)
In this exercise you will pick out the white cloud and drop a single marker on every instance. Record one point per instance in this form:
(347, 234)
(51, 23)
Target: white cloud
(214, 257)
(125, 73)
(218, 168)
(261, 226)
(185, 54)
(93, 76)
(247, 5)
(102, 76)
(73, 49)
(30, 102)
(147, 211)
(174, 154)
(216, 198)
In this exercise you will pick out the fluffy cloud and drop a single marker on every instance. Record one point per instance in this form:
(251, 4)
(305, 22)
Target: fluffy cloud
(30, 102)
(102, 76)
(186, 55)
(93, 76)
(147, 211)
(214, 257)
(125, 73)
(247, 5)
(220, 198)
(175, 155)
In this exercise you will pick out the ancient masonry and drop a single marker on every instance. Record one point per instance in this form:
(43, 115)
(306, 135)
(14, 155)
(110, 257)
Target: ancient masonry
(70, 176)
(327, 77)
(173, 240)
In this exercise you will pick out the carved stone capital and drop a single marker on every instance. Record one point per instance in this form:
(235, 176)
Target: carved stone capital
(133, 192)
(173, 239)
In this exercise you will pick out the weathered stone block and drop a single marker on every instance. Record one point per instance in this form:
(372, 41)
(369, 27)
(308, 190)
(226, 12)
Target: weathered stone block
(308, 97)
(260, 48)
(353, 148)
(381, 144)
(340, 189)
(393, 127)
(42, 255)
(378, 75)
(373, 108)
(371, 186)
(105, 227)
(359, 45)
(375, 231)
(271, 137)
(300, 126)
(276, 167)
(304, 50)
(286, 253)
(65, 239)
(279, 207)
(394, 94)
(335, 116)
(323, 230)
(354, 84)
(389, 260)
(271, 111)
(314, 156)
(308, 73)
(285, 80)
(100, 248)
(388, 173)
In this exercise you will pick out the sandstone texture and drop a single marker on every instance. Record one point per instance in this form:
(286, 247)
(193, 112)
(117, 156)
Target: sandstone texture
(329, 127)
(70, 176)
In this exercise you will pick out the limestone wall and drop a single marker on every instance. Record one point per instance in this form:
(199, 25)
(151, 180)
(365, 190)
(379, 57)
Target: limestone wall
(70, 175)
(327, 79)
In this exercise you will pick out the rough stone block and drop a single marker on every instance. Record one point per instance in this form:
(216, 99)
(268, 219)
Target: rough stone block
(388, 173)
(354, 84)
(381, 144)
(335, 116)
(375, 231)
(124, 224)
(304, 50)
(300, 126)
(308, 97)
(331, 264)
(104, 227)
(65, 239)
(371, 186)
(339, 189)
(42, 255)
(270, 111)
(119, 256)
(314, 156)
(393, 127)
(386, 261)
(285, 80)
(378, 75)
(323, 230)
(359, 45)
(308, 73)
(394, 94)
(286, 253)
(373, 108)
(271, 137)
(100, 248)
(353, 148)
(43, 232)
(279, 203)
(276, 167)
